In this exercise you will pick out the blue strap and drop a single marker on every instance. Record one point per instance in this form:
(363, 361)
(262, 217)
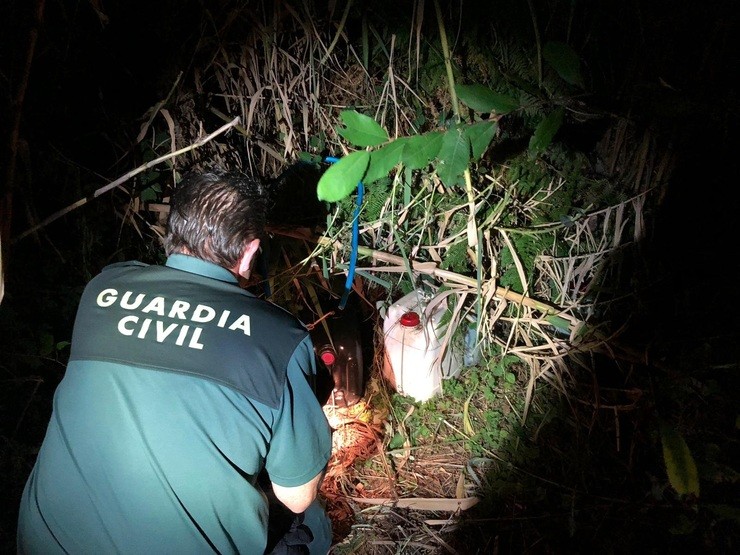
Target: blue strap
(355, 239)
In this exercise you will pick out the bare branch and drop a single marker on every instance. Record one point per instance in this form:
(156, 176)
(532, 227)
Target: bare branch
(113, 184)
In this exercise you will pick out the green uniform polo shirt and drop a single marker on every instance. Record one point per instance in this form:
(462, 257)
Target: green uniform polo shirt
(181, 388)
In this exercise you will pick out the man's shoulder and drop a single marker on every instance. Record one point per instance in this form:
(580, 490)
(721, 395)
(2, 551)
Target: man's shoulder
(279, 313)
(115, 271)
(125, 264)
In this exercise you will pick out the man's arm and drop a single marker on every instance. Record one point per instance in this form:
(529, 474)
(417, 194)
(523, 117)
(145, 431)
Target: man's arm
(298, 498)
(301, 443)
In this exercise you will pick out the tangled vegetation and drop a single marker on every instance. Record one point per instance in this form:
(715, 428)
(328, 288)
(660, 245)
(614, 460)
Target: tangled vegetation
(501, 170)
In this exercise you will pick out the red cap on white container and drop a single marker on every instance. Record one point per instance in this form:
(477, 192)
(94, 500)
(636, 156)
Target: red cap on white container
(409, 320)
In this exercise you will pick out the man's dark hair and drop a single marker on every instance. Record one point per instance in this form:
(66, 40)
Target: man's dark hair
(213, 216)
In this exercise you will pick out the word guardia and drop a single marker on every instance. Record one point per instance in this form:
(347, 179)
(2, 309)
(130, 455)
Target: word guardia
(181, 310)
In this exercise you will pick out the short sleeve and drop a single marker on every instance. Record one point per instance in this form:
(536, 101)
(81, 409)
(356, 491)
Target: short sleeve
(301, 442)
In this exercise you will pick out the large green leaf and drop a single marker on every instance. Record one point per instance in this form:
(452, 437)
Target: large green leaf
(480, 136)
(563, 59)
(421, 149)
(545, 132)
(484, 100)
(383, 160)
(454, 156)
(361, 130)
(679, 463)
(342, 178)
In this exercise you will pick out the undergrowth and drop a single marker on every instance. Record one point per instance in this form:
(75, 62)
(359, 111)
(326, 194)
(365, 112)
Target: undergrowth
(560, 221)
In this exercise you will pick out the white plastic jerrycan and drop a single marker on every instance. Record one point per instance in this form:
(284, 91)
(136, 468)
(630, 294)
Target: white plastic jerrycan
(414, 361)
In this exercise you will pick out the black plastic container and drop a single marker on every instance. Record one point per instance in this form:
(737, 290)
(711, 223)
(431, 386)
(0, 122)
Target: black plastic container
(339, 353)
(292, 200)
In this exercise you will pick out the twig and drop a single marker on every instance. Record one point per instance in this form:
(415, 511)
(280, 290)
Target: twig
(401, 545)
(538, 41)
(431, 268)
(6, 190)
(337, 35)
(447, 59)
(37, 384)
(113, 184)
(436, 504)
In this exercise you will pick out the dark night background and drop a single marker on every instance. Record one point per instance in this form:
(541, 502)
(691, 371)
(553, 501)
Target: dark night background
(94, 75)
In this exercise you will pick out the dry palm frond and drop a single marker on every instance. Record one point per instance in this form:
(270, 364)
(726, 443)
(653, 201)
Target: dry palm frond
(593, 242)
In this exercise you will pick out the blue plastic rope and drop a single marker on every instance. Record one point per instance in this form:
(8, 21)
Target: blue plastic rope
(355, 239)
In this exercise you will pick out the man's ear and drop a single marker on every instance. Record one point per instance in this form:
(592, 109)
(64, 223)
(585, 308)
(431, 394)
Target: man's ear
(245, 262)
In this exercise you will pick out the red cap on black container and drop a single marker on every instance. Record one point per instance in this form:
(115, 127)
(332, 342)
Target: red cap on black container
(328, 357)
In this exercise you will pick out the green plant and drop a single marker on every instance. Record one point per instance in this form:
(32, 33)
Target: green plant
(679, 462)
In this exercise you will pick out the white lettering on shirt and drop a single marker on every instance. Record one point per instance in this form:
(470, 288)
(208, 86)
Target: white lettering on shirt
(155, 305)
(183, 335)
(107, 297)
(242, 323)
(194, 339)
(122, 324)
(131, 306)
(144, 328)
(163, 332)
(178, 310)
(222, 320)
(203, 313)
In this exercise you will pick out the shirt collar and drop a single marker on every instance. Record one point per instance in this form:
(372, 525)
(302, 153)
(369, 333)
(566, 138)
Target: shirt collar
(195, 265)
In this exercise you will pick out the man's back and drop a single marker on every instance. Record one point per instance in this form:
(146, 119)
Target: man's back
(181, 387)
